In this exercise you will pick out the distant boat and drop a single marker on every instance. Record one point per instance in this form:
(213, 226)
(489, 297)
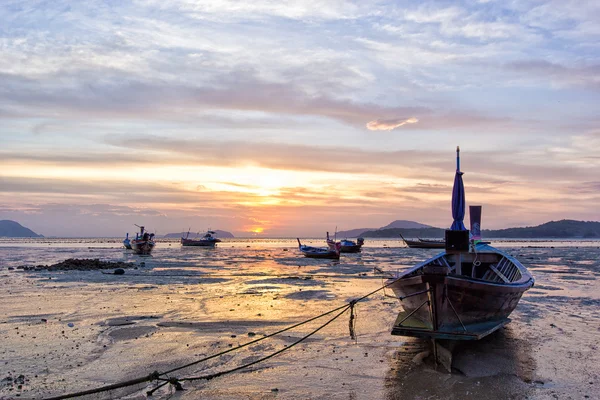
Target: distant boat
(127, 242)
(348, 246)
(464, 293)
(143, 242)
(331, 252)
(424, 243)
(206, 240)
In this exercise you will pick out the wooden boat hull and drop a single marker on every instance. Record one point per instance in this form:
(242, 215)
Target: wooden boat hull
(350, 249)
(424, 244)
(332, 255)
(142, 246)
(354, 248)
(460, 296)
(200, 243)
(349, 246)
(454, 302)
(323, 256)
(418, 244)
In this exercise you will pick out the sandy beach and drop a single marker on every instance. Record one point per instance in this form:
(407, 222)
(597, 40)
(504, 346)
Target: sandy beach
(69, 331)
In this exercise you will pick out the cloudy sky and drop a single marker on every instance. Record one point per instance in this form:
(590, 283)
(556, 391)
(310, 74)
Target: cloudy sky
(289, 118)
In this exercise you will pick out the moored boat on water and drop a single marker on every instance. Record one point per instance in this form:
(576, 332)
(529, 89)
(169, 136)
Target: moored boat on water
(424, 243)
(460, 295)
(206, 240)
(464, 293)
(331, 252)
(143, 242)
(349, 246)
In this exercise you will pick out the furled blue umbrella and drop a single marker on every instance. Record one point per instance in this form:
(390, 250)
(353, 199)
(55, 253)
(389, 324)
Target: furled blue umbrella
(458, 198)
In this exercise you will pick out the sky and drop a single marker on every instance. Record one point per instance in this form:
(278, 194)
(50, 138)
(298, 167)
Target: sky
(291, 118)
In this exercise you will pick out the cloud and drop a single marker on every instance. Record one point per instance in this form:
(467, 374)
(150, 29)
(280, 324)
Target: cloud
(389, 124)
(159, 152)
(237, 90)
(589, 188)
(583, 76)
(230, 10)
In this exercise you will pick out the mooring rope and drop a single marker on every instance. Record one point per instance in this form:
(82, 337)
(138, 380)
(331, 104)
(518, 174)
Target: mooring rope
(152, 377)
(215, 375)
(254, 341)
(156, 376)
(306, 276)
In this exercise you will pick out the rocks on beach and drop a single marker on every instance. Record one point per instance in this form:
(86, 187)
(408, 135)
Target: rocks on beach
(79, 264)
(11, 381)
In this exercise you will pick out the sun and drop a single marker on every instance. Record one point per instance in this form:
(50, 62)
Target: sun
(257, 230)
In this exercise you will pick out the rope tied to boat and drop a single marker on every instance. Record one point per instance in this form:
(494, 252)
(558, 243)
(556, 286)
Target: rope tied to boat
(163, 379)
(217, 374)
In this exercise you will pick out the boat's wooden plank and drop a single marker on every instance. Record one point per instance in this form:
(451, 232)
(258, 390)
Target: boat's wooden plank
(497, 287)
(413, 280)
(411, 322)
(444, 262)
(500, 274)
(473, 332)
(443, 354)
(512, 273)
(457, 258)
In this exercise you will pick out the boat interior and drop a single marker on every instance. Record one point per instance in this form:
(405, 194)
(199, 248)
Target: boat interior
(490, 267)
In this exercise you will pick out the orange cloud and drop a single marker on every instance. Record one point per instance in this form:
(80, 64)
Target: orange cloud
(389, 124)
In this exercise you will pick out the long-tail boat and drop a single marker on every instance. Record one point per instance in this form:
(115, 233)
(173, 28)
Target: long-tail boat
(424, 243)
(143, 242)
(206, 240)
(349, 246)
(331, 252)
(464, 293)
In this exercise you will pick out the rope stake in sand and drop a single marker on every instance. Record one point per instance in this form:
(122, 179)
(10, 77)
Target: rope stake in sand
(352, 321)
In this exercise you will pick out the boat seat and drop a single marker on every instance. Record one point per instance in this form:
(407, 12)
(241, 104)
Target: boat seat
(498, 273)
(491, 275)
(509, 270)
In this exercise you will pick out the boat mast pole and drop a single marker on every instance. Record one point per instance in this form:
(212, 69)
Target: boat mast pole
(458, 255)
(457, 158)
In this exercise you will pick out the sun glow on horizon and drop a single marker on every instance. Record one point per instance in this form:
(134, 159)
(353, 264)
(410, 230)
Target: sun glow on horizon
(274, 198)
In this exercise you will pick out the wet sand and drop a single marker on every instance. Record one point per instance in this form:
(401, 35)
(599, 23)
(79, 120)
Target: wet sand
(68, 331)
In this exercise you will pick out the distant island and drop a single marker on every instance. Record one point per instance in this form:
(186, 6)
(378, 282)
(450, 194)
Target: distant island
(218, 233)
(564, 229)
(13, 229)
(398, 224)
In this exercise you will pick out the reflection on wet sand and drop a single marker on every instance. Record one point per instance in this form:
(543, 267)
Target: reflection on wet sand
(499, 366)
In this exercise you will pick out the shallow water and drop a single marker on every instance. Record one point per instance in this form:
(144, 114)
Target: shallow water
(182, 303)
